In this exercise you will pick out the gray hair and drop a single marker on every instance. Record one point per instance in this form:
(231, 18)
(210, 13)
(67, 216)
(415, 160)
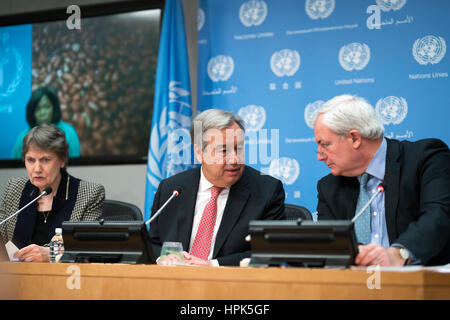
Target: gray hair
(49, 138)
(348, 112)
(212, 119)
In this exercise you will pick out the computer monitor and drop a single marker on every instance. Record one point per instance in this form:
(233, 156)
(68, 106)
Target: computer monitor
(322, 244)
(106, 242)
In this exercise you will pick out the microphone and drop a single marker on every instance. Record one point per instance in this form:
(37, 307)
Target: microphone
(46, 191)
(380, 189)
(175, 193)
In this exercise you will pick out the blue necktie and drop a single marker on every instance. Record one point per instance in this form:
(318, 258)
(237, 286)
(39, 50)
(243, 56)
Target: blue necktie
(362, 224)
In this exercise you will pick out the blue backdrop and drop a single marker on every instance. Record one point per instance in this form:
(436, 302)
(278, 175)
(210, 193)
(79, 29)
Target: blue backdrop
(276, 61)
(15, 83)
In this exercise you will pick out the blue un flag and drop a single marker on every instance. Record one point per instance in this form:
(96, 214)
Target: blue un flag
(170, 146)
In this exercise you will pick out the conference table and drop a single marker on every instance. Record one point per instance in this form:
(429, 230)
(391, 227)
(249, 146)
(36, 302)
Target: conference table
(53, 281)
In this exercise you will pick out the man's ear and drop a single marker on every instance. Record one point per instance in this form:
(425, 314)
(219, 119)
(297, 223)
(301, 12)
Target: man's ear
(198, 153)
(355, 138)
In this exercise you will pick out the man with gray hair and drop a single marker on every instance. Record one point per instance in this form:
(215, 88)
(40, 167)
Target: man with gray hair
(217, 200)
(407, 224)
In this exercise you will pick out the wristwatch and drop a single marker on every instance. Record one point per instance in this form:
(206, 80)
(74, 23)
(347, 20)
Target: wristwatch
(404, 253)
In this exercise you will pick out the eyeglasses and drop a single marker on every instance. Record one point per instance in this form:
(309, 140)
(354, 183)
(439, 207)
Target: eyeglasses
(324, 147)
(321, 154)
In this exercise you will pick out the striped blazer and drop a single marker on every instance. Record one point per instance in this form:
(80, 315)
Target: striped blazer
(75, 200)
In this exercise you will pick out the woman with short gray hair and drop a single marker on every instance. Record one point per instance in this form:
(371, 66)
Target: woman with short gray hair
(45, 153)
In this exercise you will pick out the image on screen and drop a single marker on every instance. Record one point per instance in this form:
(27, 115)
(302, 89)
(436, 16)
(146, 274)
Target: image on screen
(95, 83)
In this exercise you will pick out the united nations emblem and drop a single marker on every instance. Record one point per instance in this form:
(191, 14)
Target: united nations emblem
(253, 13)
(285, 169)
(11, 67)
(200, 19)
(178, 151)
(220, 68)
(253, 116)
(388, 5)
(316, 9)
(310, 110)
(429, 49)
(170, 143)
(354, 56)
(392, 110)
(285, 62)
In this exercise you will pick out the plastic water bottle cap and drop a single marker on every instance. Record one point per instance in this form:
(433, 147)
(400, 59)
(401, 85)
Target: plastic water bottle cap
(58, 230)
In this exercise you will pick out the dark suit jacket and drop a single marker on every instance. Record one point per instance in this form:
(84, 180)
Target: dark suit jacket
(254, 197)
(417, 198)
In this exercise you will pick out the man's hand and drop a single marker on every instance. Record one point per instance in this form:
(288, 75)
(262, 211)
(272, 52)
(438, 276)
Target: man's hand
(170, 260)
(374, 254)
(192, 260)
(33, 253)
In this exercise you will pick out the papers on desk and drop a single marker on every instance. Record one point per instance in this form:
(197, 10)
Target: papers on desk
(244, 262)
(402, 269)
(441, 269)
(390, 269)
(11, 249)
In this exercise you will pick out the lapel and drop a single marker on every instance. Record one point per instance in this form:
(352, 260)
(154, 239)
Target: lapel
(186, 207)
(26, 220)
(64, 201)
(237, 199)
(351, 192)
(392, 185)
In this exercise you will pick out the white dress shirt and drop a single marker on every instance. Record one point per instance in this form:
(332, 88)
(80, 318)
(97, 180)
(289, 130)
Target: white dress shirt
(203, 197)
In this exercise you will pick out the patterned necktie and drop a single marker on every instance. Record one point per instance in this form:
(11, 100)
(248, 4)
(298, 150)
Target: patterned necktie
(362, 224)
(202, 242)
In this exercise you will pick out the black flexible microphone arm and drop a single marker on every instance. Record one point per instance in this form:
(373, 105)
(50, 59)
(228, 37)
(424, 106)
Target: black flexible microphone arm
(380, 189)
(175, 193)
(46, 191)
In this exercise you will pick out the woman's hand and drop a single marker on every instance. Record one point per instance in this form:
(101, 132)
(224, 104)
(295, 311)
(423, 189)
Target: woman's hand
(33, 253)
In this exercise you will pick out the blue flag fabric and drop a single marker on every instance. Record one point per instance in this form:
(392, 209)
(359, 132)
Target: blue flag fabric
(170, 148)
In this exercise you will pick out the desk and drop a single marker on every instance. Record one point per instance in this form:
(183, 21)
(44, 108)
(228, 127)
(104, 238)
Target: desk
(115, 281)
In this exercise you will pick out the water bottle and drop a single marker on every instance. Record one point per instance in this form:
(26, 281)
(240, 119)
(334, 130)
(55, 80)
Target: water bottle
(56, 246)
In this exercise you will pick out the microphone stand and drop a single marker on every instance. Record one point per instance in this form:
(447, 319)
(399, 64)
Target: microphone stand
(380, 189)
(175, 193)
(26, 206)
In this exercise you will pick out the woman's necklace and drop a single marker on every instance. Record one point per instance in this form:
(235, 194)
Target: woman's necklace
(45, 214)
(45, 204)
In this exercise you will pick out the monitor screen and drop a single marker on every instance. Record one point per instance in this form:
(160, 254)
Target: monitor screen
(106, 242)
(321, 244)
(96, 83)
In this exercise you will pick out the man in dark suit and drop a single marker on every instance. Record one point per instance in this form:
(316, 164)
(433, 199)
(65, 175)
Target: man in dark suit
(217, 201)
(410, 221)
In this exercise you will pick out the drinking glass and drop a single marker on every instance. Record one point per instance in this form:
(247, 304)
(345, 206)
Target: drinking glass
(171, 254)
